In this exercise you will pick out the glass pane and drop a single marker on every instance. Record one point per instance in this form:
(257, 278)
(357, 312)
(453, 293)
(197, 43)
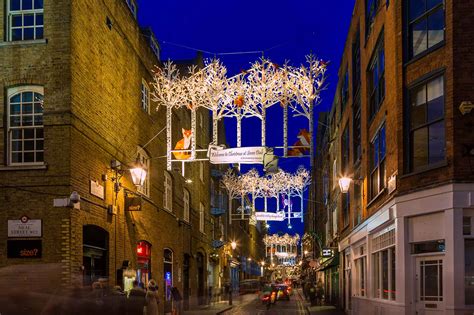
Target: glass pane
(432, 3)
(437, 142)
(419, 37)
(27, 120)
(15, 98)
(385, 273)
(393, 275)
(39, 156)
(16, 34)
(28, 33)
(382, 142)
(38, 97)
(29, 145)
(417, 7)
(28, 157)
(14, 109)
(39, 133)
(383, 175)
(27, 5)
(420, 147)
(39, 19)
(14, 120)
(16, 20)
(29, 133)
(28, 108)
(430, 279)
(27, 97)
(15, 4)
(374, 179)
(16, 145)
(435, 99)
(38, 120)
(418, 107)
(38, 4)
(28, 20)
(469, 271)
(16, 134)
(39, 33)
(436, 27)
(16, 157)
(38, 108)
(375, 152)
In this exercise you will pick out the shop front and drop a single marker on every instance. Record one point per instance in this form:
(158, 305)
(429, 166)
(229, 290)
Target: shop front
(143, 263)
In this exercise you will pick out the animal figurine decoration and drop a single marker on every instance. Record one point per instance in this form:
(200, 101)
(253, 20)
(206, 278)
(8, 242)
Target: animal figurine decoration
(286, 201)
(303, 143)
(239, 101)
(183, 144)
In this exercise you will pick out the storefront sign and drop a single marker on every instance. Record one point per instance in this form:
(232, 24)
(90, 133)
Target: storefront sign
(327, 252)
(24, 248)
(24, 227)
(133, 202)
(269, 216)
(217, 211)
(97, 189)
(247, 155)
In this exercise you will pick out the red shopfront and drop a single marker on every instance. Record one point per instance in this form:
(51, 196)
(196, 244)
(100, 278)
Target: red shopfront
(143, 262)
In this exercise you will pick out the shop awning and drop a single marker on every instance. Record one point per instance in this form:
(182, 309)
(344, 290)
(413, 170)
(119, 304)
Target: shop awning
(329, 263)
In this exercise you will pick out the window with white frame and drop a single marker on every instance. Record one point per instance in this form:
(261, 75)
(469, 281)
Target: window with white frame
(25, 19)
(168, 196)
(25, 125)
(383, 264)
(377, 163)
(145, 96)
(360, 263)
(186, 205)
(133, 7)
(201, 217)
(144, 159)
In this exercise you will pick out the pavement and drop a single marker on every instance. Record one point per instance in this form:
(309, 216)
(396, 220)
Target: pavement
(319, 310)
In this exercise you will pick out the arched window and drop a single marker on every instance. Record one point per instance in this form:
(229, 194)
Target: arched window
(25, 125)
(144, 159)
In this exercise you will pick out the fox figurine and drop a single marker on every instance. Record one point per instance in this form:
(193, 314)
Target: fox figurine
(183, 144)
(304, 140)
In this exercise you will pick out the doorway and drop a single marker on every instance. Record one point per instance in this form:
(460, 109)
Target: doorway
(186, 281)
(200, 276)
(429, 285)
(94, 253)
(168, 279)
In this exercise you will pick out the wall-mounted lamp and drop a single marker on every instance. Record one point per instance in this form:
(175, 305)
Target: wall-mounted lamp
(233, 244)
(344, 184)
(137, 171)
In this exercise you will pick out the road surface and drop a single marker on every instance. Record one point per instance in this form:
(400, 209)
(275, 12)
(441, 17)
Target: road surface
(251, 305)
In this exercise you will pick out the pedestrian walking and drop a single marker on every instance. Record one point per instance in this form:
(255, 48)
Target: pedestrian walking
(312, 294)
(151, 298)
(135, 302)
(319, 292)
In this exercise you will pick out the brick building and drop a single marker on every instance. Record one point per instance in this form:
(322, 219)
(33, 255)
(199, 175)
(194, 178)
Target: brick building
(76, 115)
(399, 129)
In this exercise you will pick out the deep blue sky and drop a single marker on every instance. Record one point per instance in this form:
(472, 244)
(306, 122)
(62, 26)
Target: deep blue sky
(293, 28)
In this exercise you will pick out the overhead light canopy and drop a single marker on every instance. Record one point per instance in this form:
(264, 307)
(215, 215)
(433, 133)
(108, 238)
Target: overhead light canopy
(344, 184)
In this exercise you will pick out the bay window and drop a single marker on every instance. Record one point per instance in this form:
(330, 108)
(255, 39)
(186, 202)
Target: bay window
(25, 125)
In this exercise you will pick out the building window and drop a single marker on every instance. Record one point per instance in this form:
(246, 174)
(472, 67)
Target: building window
(425, 25)
(345, 150)
(335, 178)
(168, 277)
(469, 271)
(376, 78)
(133, 7)
(377, 163)
(383, 262)
(144, 159)
(186, 205)
(145, 97)
(466, 225)
(371, 8)
(168, 196)
(361, 271)
(356, 127)
(25, 125)
(155, 47)
(427, 130)
(356, 64)
(345, 90)
(25, 19)
(201, 217)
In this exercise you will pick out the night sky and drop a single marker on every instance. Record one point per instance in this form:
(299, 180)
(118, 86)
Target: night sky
(282, 29)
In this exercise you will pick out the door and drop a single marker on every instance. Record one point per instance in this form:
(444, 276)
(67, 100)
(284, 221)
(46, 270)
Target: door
(429, 285)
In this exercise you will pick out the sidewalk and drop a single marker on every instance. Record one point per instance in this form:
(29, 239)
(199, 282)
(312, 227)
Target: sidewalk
(214, 308)
(320, 310)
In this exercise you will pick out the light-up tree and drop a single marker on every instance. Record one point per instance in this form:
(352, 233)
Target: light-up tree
(233, 185)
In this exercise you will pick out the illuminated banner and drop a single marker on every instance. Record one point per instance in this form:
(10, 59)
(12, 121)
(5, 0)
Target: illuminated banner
(247, 155)
(270, 216)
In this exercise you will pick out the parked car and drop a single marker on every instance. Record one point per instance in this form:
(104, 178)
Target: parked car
(283, 292)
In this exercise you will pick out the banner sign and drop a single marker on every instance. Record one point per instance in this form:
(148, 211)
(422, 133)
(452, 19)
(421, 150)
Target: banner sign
(24, 227)
(133, 202)
(217, 211)
(217, 243)
(270, 216)
(247, 155)
(24, 248)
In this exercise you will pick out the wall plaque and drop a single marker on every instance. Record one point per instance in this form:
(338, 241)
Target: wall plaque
(25, 227)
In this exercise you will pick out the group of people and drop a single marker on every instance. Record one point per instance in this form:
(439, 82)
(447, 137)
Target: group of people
(314, 292)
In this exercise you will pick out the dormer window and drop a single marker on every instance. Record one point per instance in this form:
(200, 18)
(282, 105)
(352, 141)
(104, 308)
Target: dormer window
(155, 47)
(133, 7)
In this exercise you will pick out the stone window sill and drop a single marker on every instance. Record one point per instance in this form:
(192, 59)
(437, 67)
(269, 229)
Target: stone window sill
(24, 42)
(24, 167)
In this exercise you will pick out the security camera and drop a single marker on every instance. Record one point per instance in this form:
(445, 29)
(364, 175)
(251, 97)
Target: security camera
(74, 197)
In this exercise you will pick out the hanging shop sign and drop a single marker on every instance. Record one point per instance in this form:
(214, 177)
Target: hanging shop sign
(25, 227)
(327, 252)
(217, 243)
(217, 211)
(270, 216)
(24, 248)
(97, 189)
(133, 202)
(246, 155)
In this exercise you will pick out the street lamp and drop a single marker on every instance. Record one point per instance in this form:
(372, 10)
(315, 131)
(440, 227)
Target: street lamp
(344, 184)
(233, 244)
(138, 172)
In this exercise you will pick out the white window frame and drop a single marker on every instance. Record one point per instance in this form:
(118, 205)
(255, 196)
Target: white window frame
(186, 205)
(10, 93)
(382, 241)
(133, 7)
(168, 192)
(144, 158)
(201, 218)
(10, 14)
(360, 265)
(145, 96)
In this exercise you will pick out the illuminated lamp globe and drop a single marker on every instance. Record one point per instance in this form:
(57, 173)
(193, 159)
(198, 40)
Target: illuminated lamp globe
(138, 173)
(233, 245)
(344, 183)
